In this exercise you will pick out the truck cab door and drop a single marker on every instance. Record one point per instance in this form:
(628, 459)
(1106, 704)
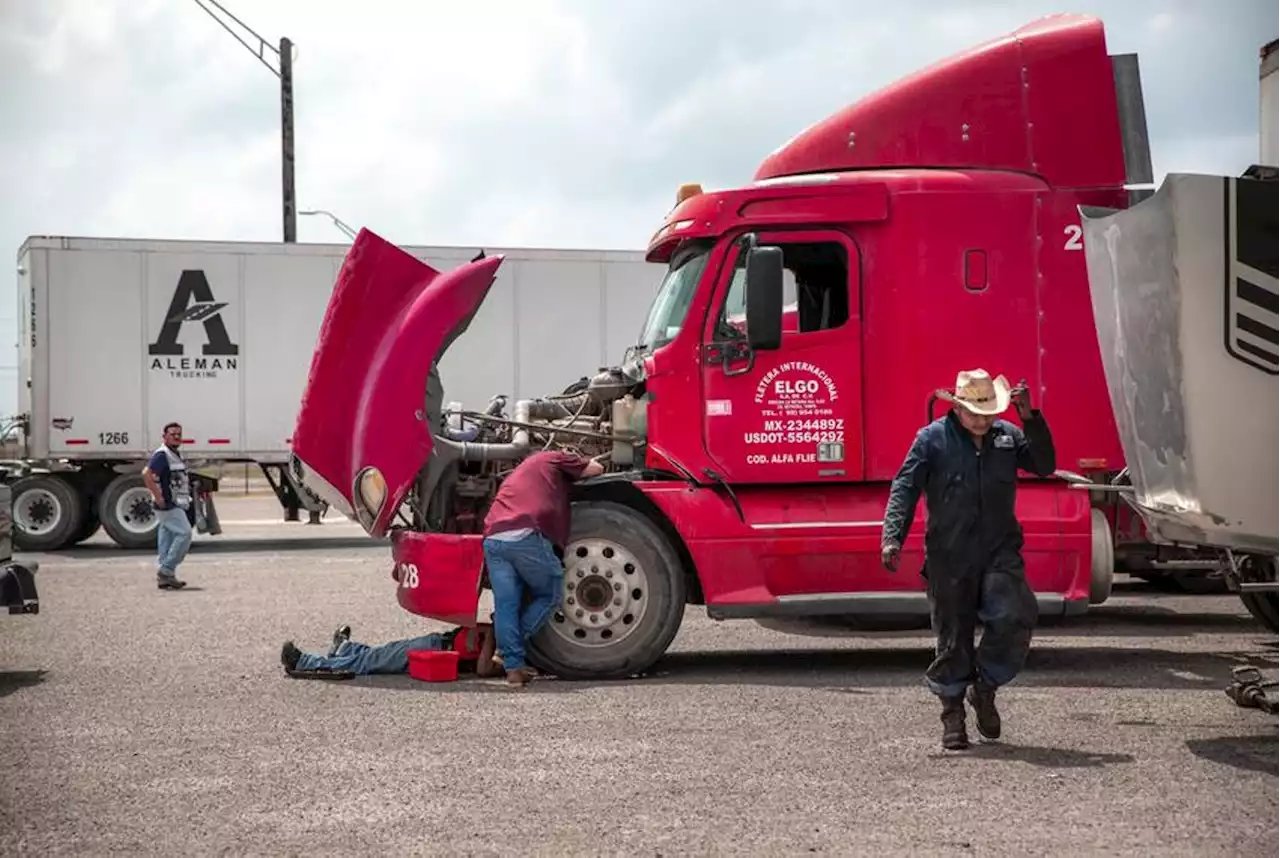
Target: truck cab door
(794, 414)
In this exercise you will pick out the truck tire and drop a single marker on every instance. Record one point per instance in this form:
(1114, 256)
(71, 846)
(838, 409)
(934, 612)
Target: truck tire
(126, 512)
(1103, 567)
(1263, 606)
(1199, 582)
(623, 598)
(89, 526)
(48, 512)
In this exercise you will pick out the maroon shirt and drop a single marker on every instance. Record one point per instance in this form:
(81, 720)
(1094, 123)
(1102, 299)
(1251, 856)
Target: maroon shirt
(536, 494)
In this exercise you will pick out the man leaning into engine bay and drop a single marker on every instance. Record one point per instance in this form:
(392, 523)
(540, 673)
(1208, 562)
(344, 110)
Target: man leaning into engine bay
(525, 533)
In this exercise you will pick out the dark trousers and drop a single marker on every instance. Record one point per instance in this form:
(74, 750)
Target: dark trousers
(962, 593)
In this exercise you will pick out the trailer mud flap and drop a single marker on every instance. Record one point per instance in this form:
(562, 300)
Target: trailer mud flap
(439, 575)
(18, 588)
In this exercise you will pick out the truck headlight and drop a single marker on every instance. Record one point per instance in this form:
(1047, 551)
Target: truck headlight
(371, 493)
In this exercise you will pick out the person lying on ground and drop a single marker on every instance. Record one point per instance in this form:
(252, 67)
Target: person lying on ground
(347, 658)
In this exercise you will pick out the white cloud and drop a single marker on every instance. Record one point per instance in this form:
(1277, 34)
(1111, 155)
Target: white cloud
(555, 123)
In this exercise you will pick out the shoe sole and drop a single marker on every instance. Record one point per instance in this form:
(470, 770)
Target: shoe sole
(330, 675)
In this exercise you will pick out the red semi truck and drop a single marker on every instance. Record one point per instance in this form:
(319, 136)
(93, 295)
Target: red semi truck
(930, 227)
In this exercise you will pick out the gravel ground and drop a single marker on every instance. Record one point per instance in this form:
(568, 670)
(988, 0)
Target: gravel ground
(141, 721)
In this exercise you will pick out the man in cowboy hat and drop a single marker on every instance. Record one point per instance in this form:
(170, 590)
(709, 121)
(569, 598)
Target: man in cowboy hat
(966, 463)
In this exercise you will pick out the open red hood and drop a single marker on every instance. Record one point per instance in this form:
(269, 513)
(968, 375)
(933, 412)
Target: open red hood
(363, 433)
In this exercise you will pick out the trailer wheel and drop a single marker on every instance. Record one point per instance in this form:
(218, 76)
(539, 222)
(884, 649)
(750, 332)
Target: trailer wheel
(126, 512)
(47, 512)
(623, 598)
(1198, 582)
(89, 526)
(1263, 606)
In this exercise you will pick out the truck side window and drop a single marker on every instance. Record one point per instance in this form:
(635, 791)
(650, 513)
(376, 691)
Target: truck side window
(815, 290)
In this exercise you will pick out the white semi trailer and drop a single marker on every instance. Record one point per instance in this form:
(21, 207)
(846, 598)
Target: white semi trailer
(119, 337)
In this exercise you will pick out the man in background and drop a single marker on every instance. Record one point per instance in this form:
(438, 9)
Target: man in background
(525, 533)
(170, 486)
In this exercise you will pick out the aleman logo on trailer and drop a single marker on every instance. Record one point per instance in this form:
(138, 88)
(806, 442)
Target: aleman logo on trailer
(193, 302)
(1252, 322)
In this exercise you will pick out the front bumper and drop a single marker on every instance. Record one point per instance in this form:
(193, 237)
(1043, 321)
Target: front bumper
(18, 587)
(438, 575)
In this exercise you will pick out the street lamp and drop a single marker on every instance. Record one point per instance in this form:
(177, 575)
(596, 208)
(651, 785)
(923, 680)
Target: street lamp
(337, 221)
(284, 56)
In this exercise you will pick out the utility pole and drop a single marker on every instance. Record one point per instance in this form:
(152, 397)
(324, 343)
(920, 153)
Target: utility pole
(287, 197)
(284, 56)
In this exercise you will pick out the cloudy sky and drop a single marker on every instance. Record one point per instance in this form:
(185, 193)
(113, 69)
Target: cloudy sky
(548, 123)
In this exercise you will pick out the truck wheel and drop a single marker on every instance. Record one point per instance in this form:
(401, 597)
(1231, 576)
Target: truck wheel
(1263, 606)
(1102, 569)
(47, 513)
(623, 598)
(1198, 582)
(126, 512)
(89, 526)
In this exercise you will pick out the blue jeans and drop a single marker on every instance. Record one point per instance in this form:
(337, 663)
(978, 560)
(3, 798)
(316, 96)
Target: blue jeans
(516, 567)
(173, 538)
(392, 657)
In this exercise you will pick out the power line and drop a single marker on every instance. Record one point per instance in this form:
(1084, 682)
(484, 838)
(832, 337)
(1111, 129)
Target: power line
(263, 44)
(284, 73)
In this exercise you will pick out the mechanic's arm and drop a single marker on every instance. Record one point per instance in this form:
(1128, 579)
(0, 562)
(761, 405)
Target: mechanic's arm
(594, 467)
(580, 467)
(904, 494)
(1035, 441)
(155, 466)
(1035, 446)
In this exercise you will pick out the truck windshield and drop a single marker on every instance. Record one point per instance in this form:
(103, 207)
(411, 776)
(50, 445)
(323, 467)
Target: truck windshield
(671, 305)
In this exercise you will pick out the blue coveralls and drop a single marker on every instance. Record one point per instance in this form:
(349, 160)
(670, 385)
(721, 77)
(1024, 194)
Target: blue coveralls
(973, 544)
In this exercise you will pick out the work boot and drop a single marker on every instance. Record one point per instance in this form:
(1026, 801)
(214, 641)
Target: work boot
(289, 655)
(520, 677)
(168, 582)
(982, 698)
(340, 636)
(954, 737)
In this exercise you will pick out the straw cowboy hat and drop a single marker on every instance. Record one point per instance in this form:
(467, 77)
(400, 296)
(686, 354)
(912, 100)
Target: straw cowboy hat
(978, 393)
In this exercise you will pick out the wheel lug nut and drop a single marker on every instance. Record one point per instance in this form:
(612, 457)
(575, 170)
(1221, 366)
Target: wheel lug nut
(617, 585)
(571, 585)
(595, 618)
(616, 602)
(580, 573)
(595, 569)
(609, 574)
(570, 600)
(578, 613)
(608, 615)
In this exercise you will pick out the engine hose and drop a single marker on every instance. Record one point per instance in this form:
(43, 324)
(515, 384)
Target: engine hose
(582, 403)
(551, 439)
